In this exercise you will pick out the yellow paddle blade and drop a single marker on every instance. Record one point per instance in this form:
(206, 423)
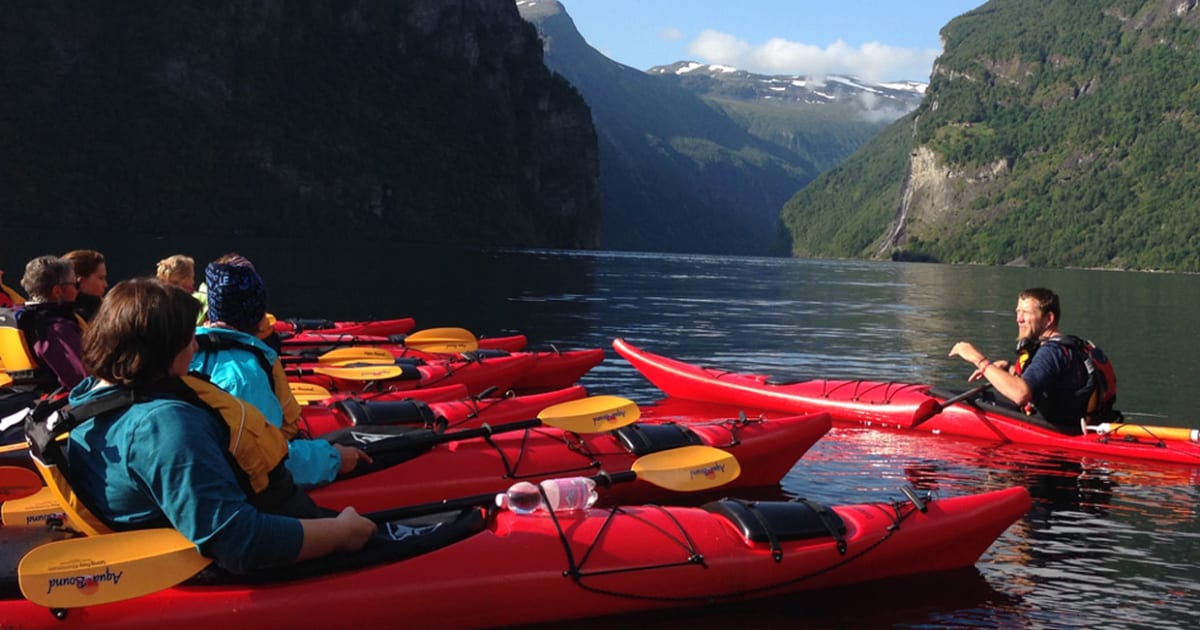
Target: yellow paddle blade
(17, 482)
(444, 340)
(5, 379)
(308, 392)
(359, 372)
(354, 354)
(592, 414)
(33, 510)
(107, 568)
(688, 468)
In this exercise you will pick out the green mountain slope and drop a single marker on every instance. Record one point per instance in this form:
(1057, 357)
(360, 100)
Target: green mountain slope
(1054, 133)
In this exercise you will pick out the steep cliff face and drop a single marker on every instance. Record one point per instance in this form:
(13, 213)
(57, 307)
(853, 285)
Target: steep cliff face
(431, 120)
(1054, 133)
(936, 194)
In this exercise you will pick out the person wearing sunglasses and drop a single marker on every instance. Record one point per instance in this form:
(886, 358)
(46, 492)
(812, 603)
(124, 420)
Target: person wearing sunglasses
(52, 330)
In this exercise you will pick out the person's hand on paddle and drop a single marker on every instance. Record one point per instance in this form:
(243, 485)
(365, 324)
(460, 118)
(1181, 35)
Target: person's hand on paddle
(350, 458)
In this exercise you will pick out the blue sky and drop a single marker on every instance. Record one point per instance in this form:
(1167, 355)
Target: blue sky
(876, 40)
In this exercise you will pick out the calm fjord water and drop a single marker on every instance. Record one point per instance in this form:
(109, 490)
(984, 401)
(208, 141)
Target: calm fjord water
(1107, 544)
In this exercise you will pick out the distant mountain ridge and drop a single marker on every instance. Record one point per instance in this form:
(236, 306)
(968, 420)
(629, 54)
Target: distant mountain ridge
(877, 100)
(676, 173)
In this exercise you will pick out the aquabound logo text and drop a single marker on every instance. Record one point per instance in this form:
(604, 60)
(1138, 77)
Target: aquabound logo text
(34, 519)
(708, 472)
(611, 416)
(85, 582)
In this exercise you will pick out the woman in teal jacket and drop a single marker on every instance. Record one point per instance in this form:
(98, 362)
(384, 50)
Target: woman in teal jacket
(167, 459)
(233, 357)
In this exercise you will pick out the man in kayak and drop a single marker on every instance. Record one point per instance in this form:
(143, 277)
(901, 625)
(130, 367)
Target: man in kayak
(1055, 383)
(233, 356)
(156, 447)
(48, 320)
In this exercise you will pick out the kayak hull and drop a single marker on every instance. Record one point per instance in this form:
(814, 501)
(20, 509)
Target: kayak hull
(555, 370)
(382, 327)
(332, 338)
(885, 405)
(460, 412)
(630, 559)
(766, 448)
(476, 375)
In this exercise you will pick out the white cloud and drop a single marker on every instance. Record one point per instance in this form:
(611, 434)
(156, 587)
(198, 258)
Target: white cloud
(872, 61)
(670, 34)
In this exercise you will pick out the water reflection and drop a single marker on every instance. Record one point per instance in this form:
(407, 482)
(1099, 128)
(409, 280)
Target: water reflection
(1107, 544)
(1076, 556)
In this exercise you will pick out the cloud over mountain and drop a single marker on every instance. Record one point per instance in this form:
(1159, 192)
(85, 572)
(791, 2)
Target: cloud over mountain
(872, 61)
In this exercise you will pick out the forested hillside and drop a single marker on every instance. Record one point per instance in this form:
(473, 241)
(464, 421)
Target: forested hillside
(422, 120)
(1054, 133)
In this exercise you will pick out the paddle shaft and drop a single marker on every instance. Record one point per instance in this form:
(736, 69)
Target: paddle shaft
(404, 442)
(932, 407)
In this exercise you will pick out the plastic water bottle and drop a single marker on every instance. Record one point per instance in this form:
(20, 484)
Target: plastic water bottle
(562, 495)
(570, 494)
(522, 497)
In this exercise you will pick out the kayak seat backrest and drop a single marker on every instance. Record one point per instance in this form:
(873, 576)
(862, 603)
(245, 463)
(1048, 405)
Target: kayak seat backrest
(14, 352)
(301, 324)
(769, 521)
(376, 413)
(643, 439)
(488, 353)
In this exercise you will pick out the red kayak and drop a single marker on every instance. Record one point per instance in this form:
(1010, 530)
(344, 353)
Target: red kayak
(767, 449)
(476, 374)
(518, 569)
(461, 412)
(553, 369)
(391, 343)
(383, 327)
(895, 406)
(556, 369)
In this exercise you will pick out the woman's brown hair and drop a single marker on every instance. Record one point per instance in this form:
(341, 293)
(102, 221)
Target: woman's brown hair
(86, 261)
(142, 325)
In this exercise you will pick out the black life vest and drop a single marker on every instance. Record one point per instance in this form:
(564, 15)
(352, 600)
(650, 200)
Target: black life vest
(1098, 396)
(34, 321)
